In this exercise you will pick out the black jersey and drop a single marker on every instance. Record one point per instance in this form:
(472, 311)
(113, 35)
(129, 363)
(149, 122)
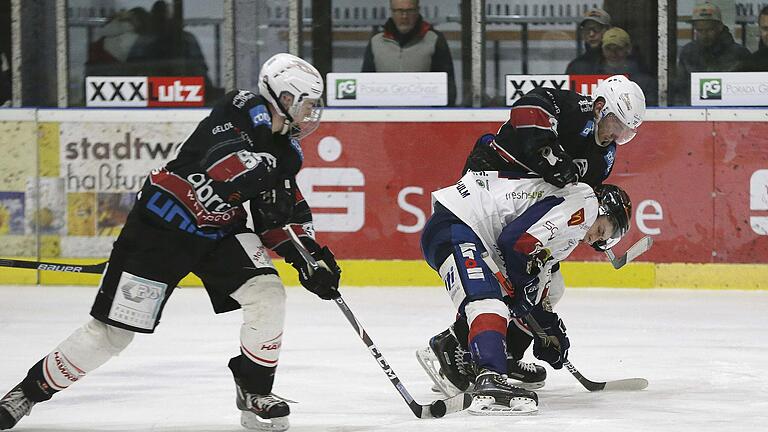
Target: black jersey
(230, 158)
(559, 119)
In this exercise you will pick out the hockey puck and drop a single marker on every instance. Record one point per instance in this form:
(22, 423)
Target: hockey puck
(437, 409)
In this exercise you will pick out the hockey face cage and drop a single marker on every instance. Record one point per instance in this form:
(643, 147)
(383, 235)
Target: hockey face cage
(302, 117)
(306, 117)
(615, 203)
(612, 126)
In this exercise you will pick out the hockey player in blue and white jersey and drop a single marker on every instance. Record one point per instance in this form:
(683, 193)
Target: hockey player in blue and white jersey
(564, 137)
(527, 226)
(190, 217)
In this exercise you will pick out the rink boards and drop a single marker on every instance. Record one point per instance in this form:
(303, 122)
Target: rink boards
(698, 180)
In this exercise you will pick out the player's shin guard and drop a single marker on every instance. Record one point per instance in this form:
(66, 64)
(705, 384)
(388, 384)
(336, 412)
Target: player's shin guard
(488, 320)
(86, 349)
(263, 302)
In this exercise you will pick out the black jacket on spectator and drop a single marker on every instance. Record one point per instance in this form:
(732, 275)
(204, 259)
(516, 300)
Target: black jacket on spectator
(724, 56)
(587, 63)
(758, 61)
(423, 49)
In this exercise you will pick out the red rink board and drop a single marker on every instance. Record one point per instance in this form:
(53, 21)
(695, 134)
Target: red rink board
(690, 187)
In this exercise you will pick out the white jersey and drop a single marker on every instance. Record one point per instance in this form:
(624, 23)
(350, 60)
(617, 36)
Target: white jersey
(551, 220)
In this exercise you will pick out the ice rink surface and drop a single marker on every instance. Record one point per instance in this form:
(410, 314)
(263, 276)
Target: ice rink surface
(704, 353)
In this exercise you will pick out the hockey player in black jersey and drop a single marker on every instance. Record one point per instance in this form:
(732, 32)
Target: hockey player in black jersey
(190, 217)
(564, 137)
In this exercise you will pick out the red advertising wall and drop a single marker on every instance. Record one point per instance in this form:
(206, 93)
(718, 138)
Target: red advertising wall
(691, 184)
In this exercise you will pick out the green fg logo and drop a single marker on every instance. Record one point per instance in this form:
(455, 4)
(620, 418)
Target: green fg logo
(346, 89)
(710, 88)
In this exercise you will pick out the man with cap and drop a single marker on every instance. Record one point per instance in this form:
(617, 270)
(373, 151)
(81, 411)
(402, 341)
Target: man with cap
(594, 24)
(617, 59)
(712, 50)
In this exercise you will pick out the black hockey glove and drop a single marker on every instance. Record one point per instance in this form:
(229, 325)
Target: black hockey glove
(558, 168)
(553, 349)
(275, 206)
(566, 173)
(323, 281)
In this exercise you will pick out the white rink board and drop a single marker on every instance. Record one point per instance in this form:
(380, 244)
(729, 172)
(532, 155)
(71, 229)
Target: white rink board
(702, 351)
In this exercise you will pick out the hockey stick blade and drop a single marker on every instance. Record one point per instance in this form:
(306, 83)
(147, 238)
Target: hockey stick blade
(51, 266)
(634, 251)
(436, 409)
(624, 384)
(628, 384)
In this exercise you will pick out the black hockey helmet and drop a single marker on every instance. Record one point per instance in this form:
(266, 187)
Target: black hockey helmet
(613, 202)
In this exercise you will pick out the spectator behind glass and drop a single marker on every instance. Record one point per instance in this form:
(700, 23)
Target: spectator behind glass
(596, 21)
(5, 54)
(5, 80)
(409, 44)
(712, 50)
(617, 60)
(141, 43)
(758, 61)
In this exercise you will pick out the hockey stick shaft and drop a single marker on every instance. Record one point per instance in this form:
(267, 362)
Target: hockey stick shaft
(51, 266)
(626, 384)
(634, 251)
(437, 408)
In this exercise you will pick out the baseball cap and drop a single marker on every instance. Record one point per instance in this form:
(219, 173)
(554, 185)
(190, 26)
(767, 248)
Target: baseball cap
(616, 36)
(706, 12)
(598, 15)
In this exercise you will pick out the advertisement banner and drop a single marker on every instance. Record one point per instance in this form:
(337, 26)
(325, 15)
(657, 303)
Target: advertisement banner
(740, 193)
(371, 195)
(139, 91)
(518, 85)
(586, 84)
(729, 88)
(387, 89)
(115, 157)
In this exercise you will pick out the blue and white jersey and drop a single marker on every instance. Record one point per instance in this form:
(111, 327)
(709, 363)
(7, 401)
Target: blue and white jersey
(522, 220)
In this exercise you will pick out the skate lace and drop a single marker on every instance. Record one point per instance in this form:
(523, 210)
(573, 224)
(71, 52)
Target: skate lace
(462, 365)
(528, 367)
(265, 402)
(17, 404)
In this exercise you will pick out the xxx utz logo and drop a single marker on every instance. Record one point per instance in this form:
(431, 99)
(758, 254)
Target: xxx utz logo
(346, 89)
(710, 88)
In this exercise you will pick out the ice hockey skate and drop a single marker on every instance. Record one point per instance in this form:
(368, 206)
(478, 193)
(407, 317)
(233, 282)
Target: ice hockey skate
(447, 364)
(493, 395)
(14, 406)
(529, 376)
(262, 412)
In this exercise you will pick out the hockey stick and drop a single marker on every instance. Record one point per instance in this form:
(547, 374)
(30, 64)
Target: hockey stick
(633, 252)
(42, 265)
(435, 409)
(623, 384)
(628, 384)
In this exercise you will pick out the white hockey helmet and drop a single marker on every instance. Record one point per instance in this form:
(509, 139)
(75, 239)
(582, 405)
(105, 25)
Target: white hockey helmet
(625, 101)
(294, 88)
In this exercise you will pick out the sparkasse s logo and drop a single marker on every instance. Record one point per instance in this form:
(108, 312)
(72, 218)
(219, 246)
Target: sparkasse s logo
(710, 88)
(346, 89)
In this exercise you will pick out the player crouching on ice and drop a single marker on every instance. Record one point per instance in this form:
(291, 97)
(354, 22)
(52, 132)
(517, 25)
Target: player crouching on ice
(190, 217)
(526, 226)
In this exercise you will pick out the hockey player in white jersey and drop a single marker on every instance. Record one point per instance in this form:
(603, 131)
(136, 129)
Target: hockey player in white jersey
(526, 226)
